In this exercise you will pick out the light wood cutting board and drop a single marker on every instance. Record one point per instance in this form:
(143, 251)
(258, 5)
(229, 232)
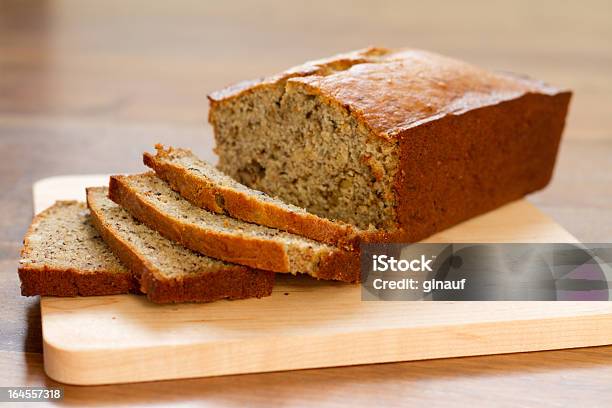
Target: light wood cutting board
(305, 323)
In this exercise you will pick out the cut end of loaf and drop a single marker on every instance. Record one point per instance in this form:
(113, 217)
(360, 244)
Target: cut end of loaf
(289, 143)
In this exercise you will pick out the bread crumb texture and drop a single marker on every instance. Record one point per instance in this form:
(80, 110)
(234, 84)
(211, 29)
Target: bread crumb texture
(63, 237)
(171, 260)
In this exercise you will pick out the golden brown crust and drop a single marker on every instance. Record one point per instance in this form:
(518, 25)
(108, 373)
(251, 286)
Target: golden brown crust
(342, 266)
(408, 88)
(240, 283)
(46, 281)
(405, 88)
(67, 282)
(228, 282)
(491, 156)
(317, 67)
(203, 193)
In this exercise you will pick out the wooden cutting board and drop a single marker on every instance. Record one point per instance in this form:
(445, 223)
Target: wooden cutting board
(305, 323)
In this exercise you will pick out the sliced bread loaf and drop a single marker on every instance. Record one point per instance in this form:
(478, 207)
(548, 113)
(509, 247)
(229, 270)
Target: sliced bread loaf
(64, 255)
(167, 271)
(406, 141)
(206, 187)
(153, 202)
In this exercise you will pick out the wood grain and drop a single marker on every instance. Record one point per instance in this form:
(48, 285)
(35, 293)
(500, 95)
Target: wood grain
(85, 87)
(304, 324)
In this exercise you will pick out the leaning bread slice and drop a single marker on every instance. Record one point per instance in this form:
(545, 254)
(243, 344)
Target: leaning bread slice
(153, 202)
(64, 255)
(167, 271)
(205, 186)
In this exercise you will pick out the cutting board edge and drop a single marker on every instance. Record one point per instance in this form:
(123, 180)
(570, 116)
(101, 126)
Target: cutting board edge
(429, 342)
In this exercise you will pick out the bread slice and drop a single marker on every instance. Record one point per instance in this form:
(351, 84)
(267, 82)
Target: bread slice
(153, 202)
(64, 255)
(167, 271)
(206, 187)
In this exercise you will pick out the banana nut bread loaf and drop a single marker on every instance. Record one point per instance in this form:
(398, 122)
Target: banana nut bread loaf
(64, 255)
(402, 142)
(151, 200)
(167, 271)
(207, 187)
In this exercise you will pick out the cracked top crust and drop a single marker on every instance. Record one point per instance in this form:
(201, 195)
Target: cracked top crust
(394, 90)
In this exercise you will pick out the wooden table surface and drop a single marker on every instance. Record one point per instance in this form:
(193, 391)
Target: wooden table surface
(85, 87)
